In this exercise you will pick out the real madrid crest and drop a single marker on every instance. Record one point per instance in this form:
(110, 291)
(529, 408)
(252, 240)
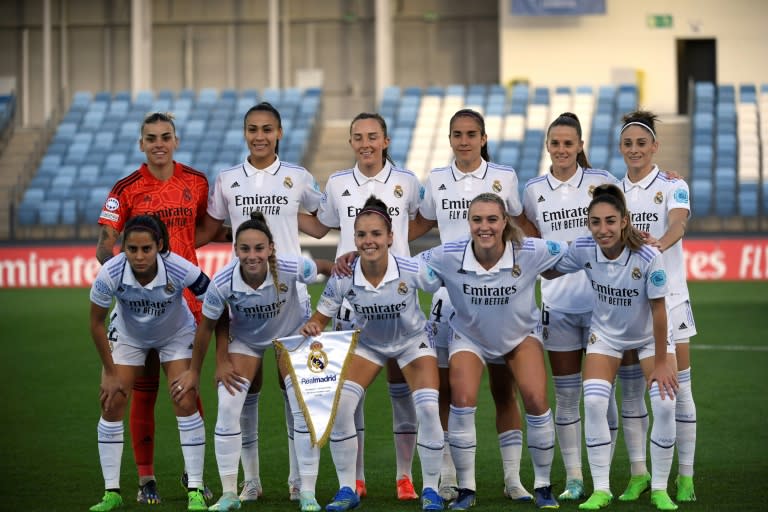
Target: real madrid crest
(317, 359)
(169, 287)
(658, 198)
(496, 187)
(282, 287)
(591, 190)
(516, 270)
(398, 191)
(636, 274)
(592, 338)
(402, 288)
(288, 182)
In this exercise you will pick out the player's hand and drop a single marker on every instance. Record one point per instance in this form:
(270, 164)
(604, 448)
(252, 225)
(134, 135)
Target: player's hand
(650, 239)
(109, 389)
(228, 377)
(666, 377)
(311, 329)
(343, 265)
(187, 381)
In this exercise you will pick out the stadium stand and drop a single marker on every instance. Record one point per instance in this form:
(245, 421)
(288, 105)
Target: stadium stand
(96, 143)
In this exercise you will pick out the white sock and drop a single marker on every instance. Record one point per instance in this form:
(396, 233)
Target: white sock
(634, 416)
(613, 418)
(463, 438)
(430, 436)
(685, 415)
(541, 446)
(344, 436)
(447, 469)
(192, 437)
(228, 438)
(308, 456)
(110, 437)
(511, 447)
(360, 429)
(404, 427)
(293, 465)
(568, 422)
(249, 426)
(662, 438)
(596, 433)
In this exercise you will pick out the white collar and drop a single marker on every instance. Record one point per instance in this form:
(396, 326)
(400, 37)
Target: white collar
(471, 264)
(161, 279)
(623, 258)
(478, 173)
(382, 176)
(643, 183)
(272, 168)
(392, 273)
(239, 285)
(574, 181)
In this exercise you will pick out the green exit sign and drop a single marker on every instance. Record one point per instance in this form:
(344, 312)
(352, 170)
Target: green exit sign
(660, 20)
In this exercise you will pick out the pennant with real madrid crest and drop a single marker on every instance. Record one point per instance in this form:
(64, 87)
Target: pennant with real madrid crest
(317, 366)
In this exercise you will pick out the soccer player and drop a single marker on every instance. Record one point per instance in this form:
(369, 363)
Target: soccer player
(345, 194)
(177, 194)
(660, 205)
(259, 291)
(147, 282)
(490, 278)
(278, 190)
(556, 203)
(447, 194)
(383, 293)
(629, 284)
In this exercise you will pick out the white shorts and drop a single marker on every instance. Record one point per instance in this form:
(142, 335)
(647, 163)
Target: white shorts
(248, 349)
(177, 347)
(564, 332)
(417, 346)
(462, 343)
(680, 319)
(607, 348)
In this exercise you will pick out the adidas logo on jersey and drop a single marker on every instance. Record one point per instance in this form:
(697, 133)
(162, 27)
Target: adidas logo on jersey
(587, 265)
(234, 185)
(423, 345)
(441, 187)
(345, 193)
(683, 326)
(541, 199)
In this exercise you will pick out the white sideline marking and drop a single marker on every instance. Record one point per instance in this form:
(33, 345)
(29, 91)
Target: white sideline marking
(731, 348)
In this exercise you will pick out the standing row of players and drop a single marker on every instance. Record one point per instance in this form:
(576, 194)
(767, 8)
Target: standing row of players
(555, 207)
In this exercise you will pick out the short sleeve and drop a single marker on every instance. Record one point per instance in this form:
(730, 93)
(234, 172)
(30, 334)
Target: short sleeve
(427, 203)
(330, 300)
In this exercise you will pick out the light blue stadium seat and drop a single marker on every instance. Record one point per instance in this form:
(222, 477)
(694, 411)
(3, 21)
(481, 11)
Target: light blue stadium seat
(540, 96)
(80, 101)
(617, 166)
(701, 197)
(251, 95)
(455, 90)
(187, 93)
(26, 213)
(49, 212)
(229, 94)
(434, 90)
(598, 157)
(747, 93)
(509, 155)
(207, 97)
(748, 199)
(271, 95)
(726, 93)
(66, 132)
(68, 215)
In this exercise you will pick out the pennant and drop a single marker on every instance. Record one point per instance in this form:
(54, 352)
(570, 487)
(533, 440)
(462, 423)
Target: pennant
(317, 367)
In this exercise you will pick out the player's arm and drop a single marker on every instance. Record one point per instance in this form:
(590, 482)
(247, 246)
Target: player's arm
(110, 382)
(663, 372)
(309, 224)
(419, 225)
(212, 230)
(678, 221)
(527, 226)
(105, 247)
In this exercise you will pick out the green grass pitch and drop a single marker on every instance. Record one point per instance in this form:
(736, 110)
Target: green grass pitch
(49, 411)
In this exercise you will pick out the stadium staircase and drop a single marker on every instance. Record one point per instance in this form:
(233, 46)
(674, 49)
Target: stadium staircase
(332, 151)
(23, 148)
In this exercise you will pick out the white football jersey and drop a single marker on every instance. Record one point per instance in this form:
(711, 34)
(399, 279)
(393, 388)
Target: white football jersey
(278, 191)
(622, 289)
(496, 307)
(558, 209)
(346, 192)
(388, 314)
(448, 192)
(148, 316)
(257, 316)
(649, 201)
